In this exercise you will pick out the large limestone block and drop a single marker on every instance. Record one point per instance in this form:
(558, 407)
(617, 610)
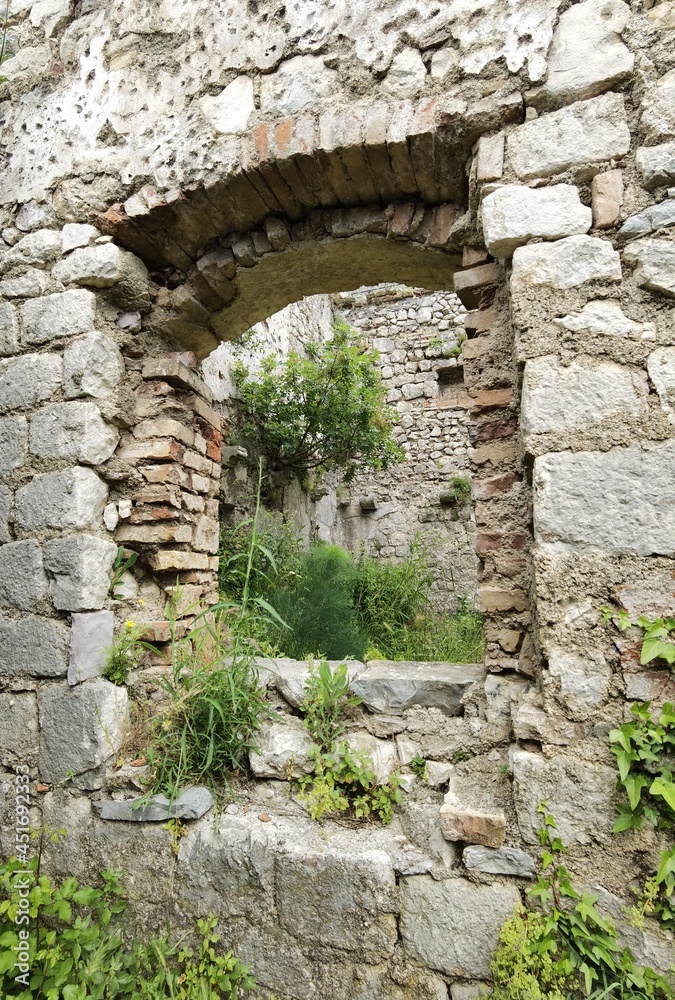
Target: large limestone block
(90, 640)
(499, 861)
(658, 117)
(393, 686)
(470, 825)
(19, 729)
(583, 134)
(297, 86)
(587, 55)
(9, 328)
(407, 74)
(606, 317)
(97, 267)
(74, 498)
(357, 889)
(579, 793)
(656, 164)
(558, 398)
(283, 750)
(513, 215)
(39, 248)
(92, 366)
(621, 500)
(74, 431)
(63, 314)
(80, 727)
(290, 677)
(661, 368)
(79, 569)
(584, 680)
(28, 380)
(13, 443)
(26, 286)
(22, 579)
(655, 261)
(567, 263)
(453, 925)
(191, 804)
(229, 111)
(32, 645)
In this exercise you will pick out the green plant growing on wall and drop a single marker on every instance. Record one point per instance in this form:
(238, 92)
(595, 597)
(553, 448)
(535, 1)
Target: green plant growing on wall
(658, 635)
(344, 779)
(327, 698)
(125, 653)
(119, 568)
(320, 412)
(76, 938)
(4, 54)
(569, 949)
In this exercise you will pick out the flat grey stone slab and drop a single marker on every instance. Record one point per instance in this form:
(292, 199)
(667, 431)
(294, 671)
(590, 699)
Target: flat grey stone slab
(499, 861)
(290, 676)
(90, 640)
(190, 804)
(392, 686)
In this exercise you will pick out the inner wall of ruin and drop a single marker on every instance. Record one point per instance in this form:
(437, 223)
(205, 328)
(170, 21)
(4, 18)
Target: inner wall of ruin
(174, 173)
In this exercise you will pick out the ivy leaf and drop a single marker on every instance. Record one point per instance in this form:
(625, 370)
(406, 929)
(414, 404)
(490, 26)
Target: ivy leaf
(634, 783)
(665, 789)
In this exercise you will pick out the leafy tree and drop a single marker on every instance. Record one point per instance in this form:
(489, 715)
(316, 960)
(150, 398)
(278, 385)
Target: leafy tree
(320, 412)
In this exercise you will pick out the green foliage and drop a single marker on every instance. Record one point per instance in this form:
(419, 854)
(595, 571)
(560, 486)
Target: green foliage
(119, 568)
(77, 948)
(459, 492)
(645, 755)
(344, 779)
(418, 766)
(658, 635)
(125, 653)
(4, 54)
(570, 949)
(320, 412)
(327, 697)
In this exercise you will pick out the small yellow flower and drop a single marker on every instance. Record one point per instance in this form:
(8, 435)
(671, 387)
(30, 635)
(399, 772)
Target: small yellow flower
(141, 601)
(130, 624)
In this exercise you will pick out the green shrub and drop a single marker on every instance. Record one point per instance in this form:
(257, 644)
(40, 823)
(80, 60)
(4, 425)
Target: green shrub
(327, 697)
(344, 779)
(80, 947)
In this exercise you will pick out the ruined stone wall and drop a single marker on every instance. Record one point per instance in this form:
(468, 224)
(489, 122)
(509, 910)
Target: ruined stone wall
(522, 153)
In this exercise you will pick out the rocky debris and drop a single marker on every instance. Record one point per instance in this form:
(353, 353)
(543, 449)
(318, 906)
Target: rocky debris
(513, 215)
(90, 640)
(453, 925)
(655, 261)
(390, 686)
(283, 750)
(575, 137)
(567, 263)
(499, 861)
(470, 825)
(80, 727)
(590, 500)
(587, 55)
(193, 803)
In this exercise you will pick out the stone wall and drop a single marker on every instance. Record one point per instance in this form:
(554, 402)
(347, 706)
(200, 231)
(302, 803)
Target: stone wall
(530, 166)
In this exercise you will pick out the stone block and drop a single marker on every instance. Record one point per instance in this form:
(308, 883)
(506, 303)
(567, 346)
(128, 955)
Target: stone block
(79, 570)
(290, 677)
(587, 55)
(558, 398)
(407, 74)
(471, 825)
(92, 366)
(76, 234)
(5, 504)
(661, 368)
(531, 723)
(656, 164)
(606, 317)
(41, 247)
(63, 314)
(22, 579)
(567, 263)
(73, 498)
(153, 534)
(90, 640)
(26, 286)
(607, 198)
(169, 561)
(358, 890)
(453, 925)
(206, 534)
(9, 328)
(598, 500)
(654, 217)
(28, 380)
(74, 431)
(13, 443)
(579, 793)
(382, 753)
(97, 266)
(658, 117)
(513, 215)
(655, 261)
(229, 112)
(475, 287)
(80, 727)
(283, 750)
(577, 137)
(33, 646)
(297, 86)
(173, 371)
(191, 804)
(584, 679)
(499, 861)
(393, 686)
(490, 158)
(19, 730)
